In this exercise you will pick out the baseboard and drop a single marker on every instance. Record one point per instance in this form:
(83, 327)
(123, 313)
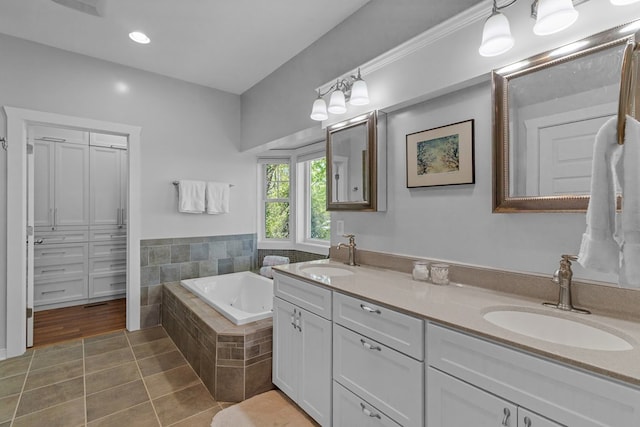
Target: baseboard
(3, 353)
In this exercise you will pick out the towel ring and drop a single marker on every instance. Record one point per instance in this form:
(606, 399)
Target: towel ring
(627, 80)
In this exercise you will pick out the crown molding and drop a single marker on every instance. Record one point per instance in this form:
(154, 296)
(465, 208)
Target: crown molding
(470, 16)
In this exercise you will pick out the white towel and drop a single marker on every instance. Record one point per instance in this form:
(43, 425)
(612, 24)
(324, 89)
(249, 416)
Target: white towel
(191, 196)
(630, 217)
(599, 249)
(217, 197)
(275, 260)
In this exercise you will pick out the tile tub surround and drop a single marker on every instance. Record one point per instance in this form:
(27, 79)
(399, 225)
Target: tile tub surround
(609, 301)
(116, 379)
(234, 362)
(171, 260)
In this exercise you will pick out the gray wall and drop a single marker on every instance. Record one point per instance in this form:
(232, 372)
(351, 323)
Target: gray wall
(280, 104)
(188, 131)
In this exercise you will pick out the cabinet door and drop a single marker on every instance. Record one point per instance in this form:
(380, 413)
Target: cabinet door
(105, 186)
(124, 186)
(529, 419)
(314, 394)
(43, 178)
(285, 348)
(71, 184)
(452, 402)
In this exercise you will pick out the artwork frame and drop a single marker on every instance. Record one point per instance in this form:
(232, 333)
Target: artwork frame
(443, 155)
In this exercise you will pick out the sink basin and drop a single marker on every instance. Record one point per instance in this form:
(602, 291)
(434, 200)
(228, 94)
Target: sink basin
(327, 271)
(558, 330)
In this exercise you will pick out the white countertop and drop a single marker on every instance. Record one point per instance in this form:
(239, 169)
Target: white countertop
(463, 306)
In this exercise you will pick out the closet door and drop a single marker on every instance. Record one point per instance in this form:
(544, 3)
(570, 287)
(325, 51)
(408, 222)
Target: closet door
(43, 179)
(71, 184)
(124, 186)
(105, 186)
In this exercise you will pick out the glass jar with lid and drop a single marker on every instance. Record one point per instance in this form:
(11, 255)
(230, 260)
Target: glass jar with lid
(421, 271)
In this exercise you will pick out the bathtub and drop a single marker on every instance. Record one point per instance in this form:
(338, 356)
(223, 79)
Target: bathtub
(240, 297)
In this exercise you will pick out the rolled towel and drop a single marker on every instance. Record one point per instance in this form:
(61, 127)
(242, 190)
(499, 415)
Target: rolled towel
(275, 260)
(266, 272)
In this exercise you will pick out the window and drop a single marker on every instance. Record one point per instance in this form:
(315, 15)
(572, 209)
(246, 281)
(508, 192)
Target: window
(276, 190)
(317, 219)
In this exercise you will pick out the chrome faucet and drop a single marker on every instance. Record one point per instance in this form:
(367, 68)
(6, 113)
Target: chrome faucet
(562, 277)
(352, 248)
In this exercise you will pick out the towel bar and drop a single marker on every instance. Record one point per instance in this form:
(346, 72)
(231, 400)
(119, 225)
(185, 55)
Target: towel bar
(178, 182)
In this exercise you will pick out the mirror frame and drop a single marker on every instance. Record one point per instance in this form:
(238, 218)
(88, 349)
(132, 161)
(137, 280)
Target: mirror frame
(502, 201)
(371, 121)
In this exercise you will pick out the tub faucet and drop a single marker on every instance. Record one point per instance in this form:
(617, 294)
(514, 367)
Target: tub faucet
(351, 246)
(562, 277)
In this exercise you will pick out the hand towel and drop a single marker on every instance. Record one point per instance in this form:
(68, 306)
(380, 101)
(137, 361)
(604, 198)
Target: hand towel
(217, 197)
(599, 249)
(191, 196)
(275, 260)
(630, 216)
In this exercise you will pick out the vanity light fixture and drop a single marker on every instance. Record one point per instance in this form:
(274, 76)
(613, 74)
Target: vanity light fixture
(354, 89)
(139, 37)
(551, 17)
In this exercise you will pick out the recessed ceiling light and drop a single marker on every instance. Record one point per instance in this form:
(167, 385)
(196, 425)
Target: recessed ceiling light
(139, 37)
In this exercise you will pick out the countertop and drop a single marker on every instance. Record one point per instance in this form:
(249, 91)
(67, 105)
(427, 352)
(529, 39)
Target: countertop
(462, 307)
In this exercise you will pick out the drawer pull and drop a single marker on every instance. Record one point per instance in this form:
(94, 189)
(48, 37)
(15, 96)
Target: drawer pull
(116, 249)
(118, 284)
(368, 412)
(53, 270)
(38, 242)
(507, 414)
(527, 422)
(369, 309)
(293, 318)
(53, 253)
(52, 292)
(369, 346)
(118, 265)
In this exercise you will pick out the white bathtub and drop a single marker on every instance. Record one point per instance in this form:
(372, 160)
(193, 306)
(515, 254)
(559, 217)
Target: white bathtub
(240, 297)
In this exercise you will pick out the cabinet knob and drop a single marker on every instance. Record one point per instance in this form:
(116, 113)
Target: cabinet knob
(507, 414)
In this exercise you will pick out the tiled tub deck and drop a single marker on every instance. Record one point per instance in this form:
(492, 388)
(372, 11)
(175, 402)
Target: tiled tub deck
(234, 362)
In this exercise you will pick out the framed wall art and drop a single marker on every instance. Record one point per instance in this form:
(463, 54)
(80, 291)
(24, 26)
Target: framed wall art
(441, 156)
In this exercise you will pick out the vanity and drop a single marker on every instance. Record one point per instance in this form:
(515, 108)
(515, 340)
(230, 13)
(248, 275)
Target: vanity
(364, 346)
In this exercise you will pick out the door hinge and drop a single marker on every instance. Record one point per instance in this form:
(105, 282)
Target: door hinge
(29, 148)
(29, 230)
(29, 312)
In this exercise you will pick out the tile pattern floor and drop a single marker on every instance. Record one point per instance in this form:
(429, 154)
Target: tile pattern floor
(118, 379)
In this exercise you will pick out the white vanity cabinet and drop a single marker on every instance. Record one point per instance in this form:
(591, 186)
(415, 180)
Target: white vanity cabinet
(377, 356)
(302, 345)
(472, 381)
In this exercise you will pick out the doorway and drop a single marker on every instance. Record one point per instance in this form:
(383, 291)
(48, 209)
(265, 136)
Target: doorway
(17, 229)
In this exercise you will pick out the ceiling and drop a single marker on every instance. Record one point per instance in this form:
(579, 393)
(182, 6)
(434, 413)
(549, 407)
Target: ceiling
(224, 44)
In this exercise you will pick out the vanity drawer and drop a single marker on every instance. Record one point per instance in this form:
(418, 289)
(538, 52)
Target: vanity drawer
(60, 290)
(108, 234)
(107, 265)
(389, 380)
(313, 298)
(63, 253)
(108, 249)
(61, 236)
(351, 411)
(396, 330)
(564, 394)
(46, 133)
(101, 285)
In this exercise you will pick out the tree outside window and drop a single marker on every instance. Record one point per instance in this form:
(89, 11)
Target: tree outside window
(320, 221)
(277, 201)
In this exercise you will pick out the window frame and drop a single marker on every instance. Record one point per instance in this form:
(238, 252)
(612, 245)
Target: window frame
(303, 169)
(274, 243)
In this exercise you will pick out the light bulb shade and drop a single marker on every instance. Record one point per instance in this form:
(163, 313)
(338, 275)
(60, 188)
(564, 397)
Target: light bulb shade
(337, 104)
(623, 2)
(554, 16)
(359, 93)
(496, 36)
(319, 110)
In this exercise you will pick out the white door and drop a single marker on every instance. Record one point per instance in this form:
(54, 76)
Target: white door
(105, 186)
(71, 184)
(42, 176)
(453, 403)
(30, 240)
(314, 381)
(124, 186)
(285, 348)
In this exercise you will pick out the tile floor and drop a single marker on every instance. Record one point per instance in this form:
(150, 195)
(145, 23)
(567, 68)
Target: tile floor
(118, 379)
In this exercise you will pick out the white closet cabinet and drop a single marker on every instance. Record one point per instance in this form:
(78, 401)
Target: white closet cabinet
(108, 186)
(61, 184)
(302, 345)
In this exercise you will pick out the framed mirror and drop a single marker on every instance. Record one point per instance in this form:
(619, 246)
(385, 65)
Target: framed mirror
(352, 158)
(547, 110)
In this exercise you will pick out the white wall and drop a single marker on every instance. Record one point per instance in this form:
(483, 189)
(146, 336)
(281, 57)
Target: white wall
(455, 223)
(188, 131)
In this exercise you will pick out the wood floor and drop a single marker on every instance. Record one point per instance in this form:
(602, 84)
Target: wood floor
(62, 324)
